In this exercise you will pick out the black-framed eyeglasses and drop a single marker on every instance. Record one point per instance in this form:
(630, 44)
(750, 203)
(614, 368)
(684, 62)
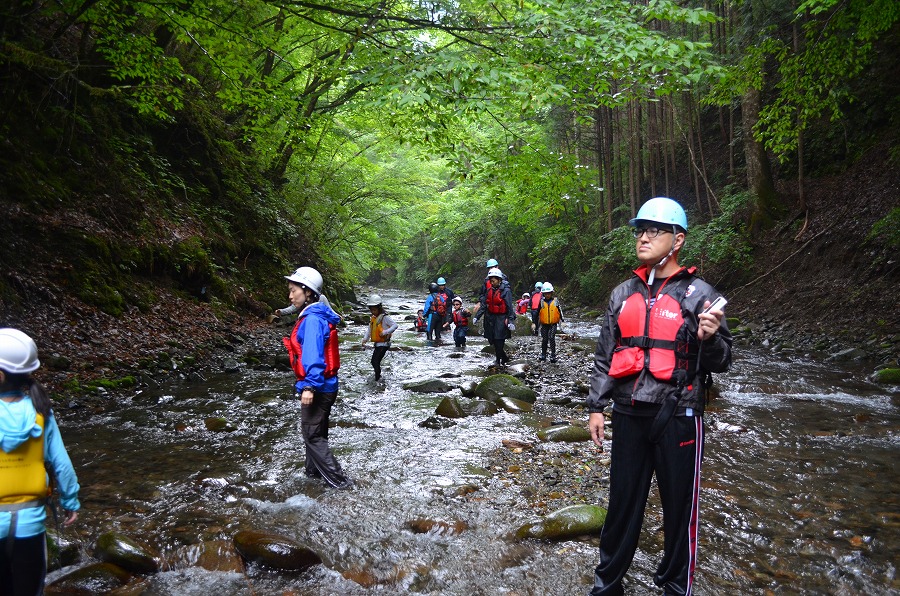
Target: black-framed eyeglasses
(651, 231)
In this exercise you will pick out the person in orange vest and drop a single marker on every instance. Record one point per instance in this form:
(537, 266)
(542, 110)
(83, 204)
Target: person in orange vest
(381, 326)
(315, 359)
(437, 307)
(535, 307)
(550, 315)
(421, 322)
(659, 344)
(30, 445)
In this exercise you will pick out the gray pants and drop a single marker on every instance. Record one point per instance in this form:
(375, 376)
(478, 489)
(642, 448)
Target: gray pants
(320, 462)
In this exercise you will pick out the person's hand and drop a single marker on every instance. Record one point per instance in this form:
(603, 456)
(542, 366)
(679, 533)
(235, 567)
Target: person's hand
(306, 397)
(596, 422)
(70, 518)
(708, 322)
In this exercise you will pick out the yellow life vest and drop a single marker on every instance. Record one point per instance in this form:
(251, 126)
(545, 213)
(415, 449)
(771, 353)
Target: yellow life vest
(23, 477)
(549, 312)
(375, 329)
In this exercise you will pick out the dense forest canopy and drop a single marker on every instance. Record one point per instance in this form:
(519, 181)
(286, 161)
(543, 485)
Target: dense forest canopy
(221, 141)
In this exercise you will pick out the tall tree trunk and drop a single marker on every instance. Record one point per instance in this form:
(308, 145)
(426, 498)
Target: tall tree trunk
(759, 171)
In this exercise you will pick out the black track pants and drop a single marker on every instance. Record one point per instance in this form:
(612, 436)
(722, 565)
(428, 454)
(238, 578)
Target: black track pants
(377, 357)
(314, 425)
(548, 336)
(22, 571)
(676, 460)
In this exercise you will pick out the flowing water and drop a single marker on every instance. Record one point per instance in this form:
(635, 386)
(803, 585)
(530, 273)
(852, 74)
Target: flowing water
(800, 482)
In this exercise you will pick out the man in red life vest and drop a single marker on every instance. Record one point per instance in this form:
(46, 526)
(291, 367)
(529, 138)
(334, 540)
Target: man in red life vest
(655, 350)
(313, 351)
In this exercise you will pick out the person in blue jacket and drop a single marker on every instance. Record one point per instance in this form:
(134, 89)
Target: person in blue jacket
(29, 437)
(437, 305)
(315, 360)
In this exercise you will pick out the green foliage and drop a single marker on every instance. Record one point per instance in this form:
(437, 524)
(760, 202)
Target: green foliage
(887, 229)
(723, 241)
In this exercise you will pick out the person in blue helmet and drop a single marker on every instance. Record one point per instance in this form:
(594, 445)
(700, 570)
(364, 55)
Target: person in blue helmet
(315, 359)
(437, 307)
(654, 359)
(30, 446)
(450, 294)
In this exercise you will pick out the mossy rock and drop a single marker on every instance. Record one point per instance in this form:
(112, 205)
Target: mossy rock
(733, 322)
(496, 386)
(513, 405)
(889, 376)
(126, 553)
(564, 433)
(450, 408)
(568, 522)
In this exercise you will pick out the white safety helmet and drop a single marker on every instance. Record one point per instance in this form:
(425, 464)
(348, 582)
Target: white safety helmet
(18, 352)
(374, 300)
(494, 272)
(457, 299)
(308, 277)
(546, 288)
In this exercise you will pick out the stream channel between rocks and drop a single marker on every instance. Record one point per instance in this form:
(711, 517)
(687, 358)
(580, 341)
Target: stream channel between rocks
(800, 481)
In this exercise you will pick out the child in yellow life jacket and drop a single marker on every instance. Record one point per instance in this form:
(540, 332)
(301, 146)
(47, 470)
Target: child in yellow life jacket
(461, 318)
(550, 316)
(380, 329)
(29, 441)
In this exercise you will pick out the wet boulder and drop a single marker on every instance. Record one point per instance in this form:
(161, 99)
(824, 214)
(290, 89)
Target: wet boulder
(480, 407)
(276, 552)
(97, 578)
(564, 433)
(563, 524)
(468, 388)
(436, 423)
(513, 405)
(523, 326)
(218, 424)
(126, 553)
(450, 408)
(215, 555)
(496, 386)
(427, 386)
(888, 376)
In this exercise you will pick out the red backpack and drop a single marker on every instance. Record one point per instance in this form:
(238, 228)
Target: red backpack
(440, 303)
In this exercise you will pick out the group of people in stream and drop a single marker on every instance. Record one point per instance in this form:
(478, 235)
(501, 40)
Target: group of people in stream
(660, 342)
(496, 306)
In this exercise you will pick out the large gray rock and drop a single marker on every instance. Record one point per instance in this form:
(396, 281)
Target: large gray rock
(480, 407)
(568, 522)
(427, 386)
(277, 552)
(513, 405)
(468, 388)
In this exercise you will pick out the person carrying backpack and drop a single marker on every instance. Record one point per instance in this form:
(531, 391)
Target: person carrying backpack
(381, 326)
(436, 309)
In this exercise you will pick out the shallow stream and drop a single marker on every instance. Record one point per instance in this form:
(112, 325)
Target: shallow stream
(800, 481)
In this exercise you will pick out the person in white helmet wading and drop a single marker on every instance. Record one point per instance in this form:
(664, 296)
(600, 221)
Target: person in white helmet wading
(315, 360)
(30, 446)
